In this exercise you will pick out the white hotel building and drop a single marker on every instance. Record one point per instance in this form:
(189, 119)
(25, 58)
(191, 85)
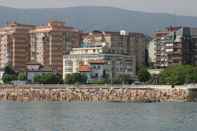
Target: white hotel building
(96, 62)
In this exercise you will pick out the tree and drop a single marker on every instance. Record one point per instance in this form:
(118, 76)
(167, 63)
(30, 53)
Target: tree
(7, 78)
(8, 70)
(69, 79)
(9, 75)
(76, 78)
(48, 78)
(179, 74)
(143, 74)
(22, 76)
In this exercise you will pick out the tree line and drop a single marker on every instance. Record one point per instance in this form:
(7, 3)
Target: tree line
(173, 75)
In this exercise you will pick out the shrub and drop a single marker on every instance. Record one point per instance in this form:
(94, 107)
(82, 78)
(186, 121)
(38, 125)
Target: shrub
(7, 78)
(9, 75)
(143, 74)
(76, 78)
(48, 78)
(22, 76)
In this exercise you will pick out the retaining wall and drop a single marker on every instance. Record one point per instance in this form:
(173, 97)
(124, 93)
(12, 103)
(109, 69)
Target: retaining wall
(104, 93)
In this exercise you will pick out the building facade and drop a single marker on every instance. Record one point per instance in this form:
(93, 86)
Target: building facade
(15, 45)
(97, 63)
(176, 46)
(46, 45)
(34, 69)
(155, 45)
(137, 47)
(132, 44)
(49, 44)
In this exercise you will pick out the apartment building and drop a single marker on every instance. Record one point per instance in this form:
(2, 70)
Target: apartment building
(49, 43)
(137, 47)
(155, 46)
(191, 52)
(97, 62)
(177, 46)
(115, 42)
(132, 44)
(15, 45)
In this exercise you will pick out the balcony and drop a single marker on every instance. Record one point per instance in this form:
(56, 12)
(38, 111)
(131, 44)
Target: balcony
(177, 53)
(169, 50)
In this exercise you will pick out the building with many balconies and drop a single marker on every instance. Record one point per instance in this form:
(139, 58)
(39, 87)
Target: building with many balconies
(49, 43)
(15, 45)
(176, 46)
(97, 62)
(125, 43)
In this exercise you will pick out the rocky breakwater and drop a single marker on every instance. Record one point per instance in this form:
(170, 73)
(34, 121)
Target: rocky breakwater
(94, 93)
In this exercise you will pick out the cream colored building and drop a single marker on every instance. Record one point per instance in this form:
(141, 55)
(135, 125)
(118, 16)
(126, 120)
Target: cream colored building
(125, 43)
(152, 51)
(115, 42)
(96, 61)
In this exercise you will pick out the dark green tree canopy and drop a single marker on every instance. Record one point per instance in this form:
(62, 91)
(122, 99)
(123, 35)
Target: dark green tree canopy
(7, 78)
(143, 74)
(9, 74)
(9, 70)
(179, 74)
(48, 78)
(76, 78)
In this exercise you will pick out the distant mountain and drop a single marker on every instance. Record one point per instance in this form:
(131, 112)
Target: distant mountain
(97, 18)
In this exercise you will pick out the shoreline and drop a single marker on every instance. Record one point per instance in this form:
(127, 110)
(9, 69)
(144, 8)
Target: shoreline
(98, 93)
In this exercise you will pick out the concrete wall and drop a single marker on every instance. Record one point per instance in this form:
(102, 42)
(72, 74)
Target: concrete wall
(95, 93)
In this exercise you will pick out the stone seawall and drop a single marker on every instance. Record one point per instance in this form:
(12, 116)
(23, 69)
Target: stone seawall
(95, 93)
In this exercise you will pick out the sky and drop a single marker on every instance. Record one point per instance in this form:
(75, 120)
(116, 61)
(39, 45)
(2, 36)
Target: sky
(179, 7)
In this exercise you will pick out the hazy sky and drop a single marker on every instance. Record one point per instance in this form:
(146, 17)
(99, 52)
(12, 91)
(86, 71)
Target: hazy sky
(183, 7)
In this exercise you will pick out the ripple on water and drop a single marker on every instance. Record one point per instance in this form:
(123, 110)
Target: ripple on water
(77, 116)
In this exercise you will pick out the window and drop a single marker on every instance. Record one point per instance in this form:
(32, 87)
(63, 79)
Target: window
(98, 67)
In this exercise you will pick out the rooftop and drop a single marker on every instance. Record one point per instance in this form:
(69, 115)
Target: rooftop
(84, 68)
(97, 62)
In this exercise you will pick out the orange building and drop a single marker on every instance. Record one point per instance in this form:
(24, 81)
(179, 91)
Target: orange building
(15, 45)
(49, 43)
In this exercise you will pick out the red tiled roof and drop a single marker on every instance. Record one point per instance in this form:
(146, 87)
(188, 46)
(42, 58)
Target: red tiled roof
(97, 62)
(84, 68)
(175, 28)
(161, 34)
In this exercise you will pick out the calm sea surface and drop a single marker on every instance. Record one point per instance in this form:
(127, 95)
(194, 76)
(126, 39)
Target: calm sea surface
(57, 116)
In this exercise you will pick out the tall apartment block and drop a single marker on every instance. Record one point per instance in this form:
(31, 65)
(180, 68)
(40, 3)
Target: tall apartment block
(193, 47)
(155, 45)
(49, 43)
(15, 45)
(115, 42)
(132, 44)
(176, 46)
(137, 47)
